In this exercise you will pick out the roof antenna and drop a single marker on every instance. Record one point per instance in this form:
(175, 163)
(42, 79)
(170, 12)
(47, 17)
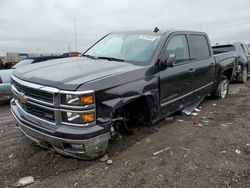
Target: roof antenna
(156, 29)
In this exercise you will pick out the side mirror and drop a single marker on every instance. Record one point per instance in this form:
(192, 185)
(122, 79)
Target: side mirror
(168, 61)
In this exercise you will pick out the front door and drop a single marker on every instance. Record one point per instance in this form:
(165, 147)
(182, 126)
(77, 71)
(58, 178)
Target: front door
(176, 82)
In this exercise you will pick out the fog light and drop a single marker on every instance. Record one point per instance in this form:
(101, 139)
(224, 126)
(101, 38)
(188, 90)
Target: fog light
(88, 118)
(77, 146)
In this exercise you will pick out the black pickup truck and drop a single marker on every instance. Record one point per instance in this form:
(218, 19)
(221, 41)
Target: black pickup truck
(73, 104)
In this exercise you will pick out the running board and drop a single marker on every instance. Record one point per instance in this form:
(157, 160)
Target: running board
(191, 107)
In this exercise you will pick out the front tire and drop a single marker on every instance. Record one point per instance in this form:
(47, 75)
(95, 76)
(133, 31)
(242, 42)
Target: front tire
(223, 88)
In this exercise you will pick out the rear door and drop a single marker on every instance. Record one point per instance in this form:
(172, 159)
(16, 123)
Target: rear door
(176, 82)
(203, 64)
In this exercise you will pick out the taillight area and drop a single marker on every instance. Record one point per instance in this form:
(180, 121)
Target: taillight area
(237, 59)
(1, 81)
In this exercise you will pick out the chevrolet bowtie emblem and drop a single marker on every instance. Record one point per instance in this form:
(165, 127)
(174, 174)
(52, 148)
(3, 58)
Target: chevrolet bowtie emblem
(22, 98)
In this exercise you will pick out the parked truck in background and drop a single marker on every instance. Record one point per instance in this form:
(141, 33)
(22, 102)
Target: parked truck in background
(72, 104)
(243, 59)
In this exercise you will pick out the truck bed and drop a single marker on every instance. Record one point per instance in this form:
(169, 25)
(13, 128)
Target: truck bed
(223, 56)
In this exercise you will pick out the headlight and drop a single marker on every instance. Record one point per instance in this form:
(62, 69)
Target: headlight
(77, 100)
(78, 108)
(78, 118)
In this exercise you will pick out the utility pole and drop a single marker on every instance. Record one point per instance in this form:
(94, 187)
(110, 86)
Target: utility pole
(75, 33)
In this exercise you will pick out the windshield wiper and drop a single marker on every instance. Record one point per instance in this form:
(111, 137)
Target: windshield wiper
(110, 58)
(90, 56)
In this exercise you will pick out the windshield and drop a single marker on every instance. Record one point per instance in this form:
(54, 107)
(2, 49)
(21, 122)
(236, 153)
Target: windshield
(23, 62)
(132, 48)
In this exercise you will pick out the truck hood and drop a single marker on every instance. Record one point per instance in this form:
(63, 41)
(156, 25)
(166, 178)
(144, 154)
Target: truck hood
(70, 73)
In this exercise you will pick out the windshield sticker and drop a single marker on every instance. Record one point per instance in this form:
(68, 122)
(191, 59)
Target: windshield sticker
(148, 37)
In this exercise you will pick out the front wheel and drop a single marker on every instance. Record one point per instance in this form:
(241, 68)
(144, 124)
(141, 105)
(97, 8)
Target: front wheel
(223, 88)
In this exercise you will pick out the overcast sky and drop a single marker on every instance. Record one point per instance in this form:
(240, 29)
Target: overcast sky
(48, 25)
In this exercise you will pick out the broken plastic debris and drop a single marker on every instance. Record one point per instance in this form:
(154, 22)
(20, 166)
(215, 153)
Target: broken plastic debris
(223, 151)
(109, 161)
(160, 151)
(171, 152)
(147, 140)
(179, 120)
(75, 184)
(169, 118)
(224, 125)
(237, 151)
(194, 113)
(113, 132)
(24, 181)
(104, 158)
(214, 104)
(197, 110)
(126, 163)
(247, 144)
(205, 122)
(11, 156)
(186, 149)
(199, 125)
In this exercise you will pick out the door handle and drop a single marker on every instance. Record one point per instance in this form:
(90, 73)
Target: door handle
(191, 70)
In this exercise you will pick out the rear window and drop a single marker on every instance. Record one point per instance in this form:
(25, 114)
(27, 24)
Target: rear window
(224, 48)
(200, 47)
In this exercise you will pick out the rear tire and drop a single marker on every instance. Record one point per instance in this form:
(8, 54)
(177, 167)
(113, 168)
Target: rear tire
(223, 88)
(243, 77)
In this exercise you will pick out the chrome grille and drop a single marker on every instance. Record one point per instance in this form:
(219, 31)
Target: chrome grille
(37, 111)
(43, 102)
(34, 93)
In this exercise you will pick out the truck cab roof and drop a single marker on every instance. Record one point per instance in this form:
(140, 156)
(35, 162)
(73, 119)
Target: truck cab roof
(160, 32)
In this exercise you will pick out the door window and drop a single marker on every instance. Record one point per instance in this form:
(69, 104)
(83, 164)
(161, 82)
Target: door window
(200, 47)
(178, 46)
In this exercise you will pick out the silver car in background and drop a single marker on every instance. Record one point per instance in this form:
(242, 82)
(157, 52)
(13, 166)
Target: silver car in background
(5, 89)
(5, 75)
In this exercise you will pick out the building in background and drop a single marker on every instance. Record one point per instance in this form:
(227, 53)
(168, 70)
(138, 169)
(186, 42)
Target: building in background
(14, 57)
(71, 54)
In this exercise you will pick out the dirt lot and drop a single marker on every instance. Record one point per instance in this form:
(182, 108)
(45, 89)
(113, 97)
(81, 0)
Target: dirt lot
(194, 156)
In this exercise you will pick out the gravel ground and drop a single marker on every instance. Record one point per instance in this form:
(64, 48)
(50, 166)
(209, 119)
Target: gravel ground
(216, 154)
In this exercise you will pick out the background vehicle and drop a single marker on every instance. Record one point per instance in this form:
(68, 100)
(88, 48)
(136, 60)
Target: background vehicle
(2, 64)
(134, 76)
(5, 74)
(243, 67)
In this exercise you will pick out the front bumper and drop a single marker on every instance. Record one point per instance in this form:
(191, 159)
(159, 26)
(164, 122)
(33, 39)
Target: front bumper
(86, 143)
